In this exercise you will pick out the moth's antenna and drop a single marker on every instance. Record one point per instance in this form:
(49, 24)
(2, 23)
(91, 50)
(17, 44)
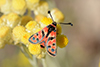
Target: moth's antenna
(50, 15)
(67, 24)
(60, 23)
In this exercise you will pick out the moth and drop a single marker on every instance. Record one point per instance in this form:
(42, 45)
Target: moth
(47, 37)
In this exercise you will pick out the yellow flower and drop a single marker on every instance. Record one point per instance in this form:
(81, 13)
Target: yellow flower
(32, 4)
(1, 22)
(59, 30)
(30, 25)
(2, 2)
(4, 17)
(34, 49)
(12, 19)
(18, 4)
(25, 20)
(4, 35)
(39, 17)
(57, 15)
(42, 8)
(46, 21)
(25, 38)
(4, 31)
(33, 1)
(6, 7)
(18, 32)
(62, 41)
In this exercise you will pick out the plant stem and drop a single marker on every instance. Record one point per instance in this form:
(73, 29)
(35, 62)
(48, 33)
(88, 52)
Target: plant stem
(44, 62)
(33, 62)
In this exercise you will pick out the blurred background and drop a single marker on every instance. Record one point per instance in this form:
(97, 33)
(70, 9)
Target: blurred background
(83, 49)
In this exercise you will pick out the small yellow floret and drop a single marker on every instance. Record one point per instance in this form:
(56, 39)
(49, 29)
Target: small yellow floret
(62, 41)
(46, 21)
(2, 2)
(30, 25)
(59, 29)
(33, 1)
(3, 17)
(4, 31)
(25, 20)
(57, 15)
(12, 17)
(18, 4)
(42, 8)
(34, 49)
(39, 17)
(25, 38)
(18, 31)
(1, 21)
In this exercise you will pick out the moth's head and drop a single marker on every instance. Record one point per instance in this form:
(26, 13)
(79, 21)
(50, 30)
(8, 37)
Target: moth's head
(54, 23)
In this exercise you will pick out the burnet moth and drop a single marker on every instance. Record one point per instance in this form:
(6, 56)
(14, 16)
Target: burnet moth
(47, 37)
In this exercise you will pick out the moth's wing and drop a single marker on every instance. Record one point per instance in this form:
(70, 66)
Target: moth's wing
(39, 36)
(51, 44)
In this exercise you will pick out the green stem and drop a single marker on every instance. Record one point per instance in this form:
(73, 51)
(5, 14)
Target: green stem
(33, 62)
(44, 62)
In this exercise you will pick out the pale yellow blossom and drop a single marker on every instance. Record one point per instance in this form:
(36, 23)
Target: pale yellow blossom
(57, 15)
(4, 35)
(42, 8)
(32, 4)
(17, 33)
(6, 7)
(13, 19)
(19, 6)
(2, 2)
(34, 49)
(46, 21)
(25, 20)
(62, 41)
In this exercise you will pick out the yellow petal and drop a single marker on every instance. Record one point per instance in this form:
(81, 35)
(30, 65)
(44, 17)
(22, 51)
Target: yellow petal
(25, 20)
(57, 15)
(46, 21)
(3, 31)
(18, 32)
(59, 29)
(18, 4)
(34, 49)
(30, 25)
(62, 41)
(25, 38)
(2, 2)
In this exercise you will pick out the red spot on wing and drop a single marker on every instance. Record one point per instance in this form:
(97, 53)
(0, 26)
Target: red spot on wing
(45, 29)
(53, 47)
(34, 41)
(49, 42)
(49, 50)
(52, 33)
(35, 36)
(54, 40)
(40, 36)
(39, 32)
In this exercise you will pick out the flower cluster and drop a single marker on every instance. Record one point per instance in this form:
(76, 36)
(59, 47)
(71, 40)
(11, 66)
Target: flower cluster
(17, 23)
